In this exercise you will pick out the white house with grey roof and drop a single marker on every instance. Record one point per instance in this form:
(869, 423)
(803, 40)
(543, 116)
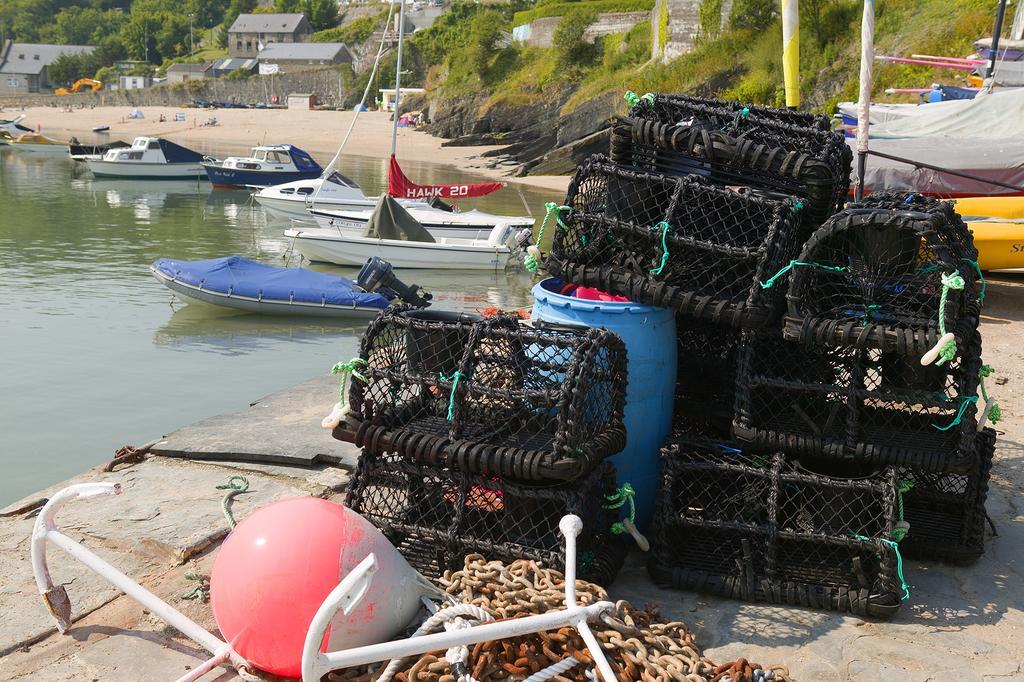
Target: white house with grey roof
(252, 32)
(300, 56)
(23, 66)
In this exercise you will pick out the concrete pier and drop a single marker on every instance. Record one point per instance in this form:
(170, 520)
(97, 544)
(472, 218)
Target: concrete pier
(960, 623)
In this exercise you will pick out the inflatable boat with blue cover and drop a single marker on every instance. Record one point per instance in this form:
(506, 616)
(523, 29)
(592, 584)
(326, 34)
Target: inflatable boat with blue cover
(236, 282)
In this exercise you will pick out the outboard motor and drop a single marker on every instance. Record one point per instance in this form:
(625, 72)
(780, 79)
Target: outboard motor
(378, 275)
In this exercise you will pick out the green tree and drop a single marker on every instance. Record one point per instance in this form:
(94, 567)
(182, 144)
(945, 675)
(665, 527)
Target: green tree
(288, 6)
(84, 25)
(234, 9)
(484, 33)
(752, 14)
(322, 14)
(573, 48)
(67, 68)
(206, 13)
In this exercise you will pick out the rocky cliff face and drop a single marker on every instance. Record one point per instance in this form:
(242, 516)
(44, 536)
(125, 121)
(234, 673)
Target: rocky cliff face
(536, 138)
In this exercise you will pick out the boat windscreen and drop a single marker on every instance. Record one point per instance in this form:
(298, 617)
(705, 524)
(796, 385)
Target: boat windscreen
(339, 179)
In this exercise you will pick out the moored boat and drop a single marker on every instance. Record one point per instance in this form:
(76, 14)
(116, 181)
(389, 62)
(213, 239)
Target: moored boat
(330, 246)
(242, 284)
(13, 127)
(84, 152)
(35, 143)
(150, 158)
(266, 165)
(292, 199)
(393, 234)
(438, 222)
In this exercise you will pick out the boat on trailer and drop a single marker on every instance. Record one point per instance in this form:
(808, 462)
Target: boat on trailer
(242, 284)
(266, 165)
(151, 158)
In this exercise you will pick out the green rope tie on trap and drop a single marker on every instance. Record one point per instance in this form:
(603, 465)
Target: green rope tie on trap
(236, 485)
(947, 351)
(984, 285)
(995, 413)
(622, 496)
(664, 227)
(797, 263)
(964, 402)
(632, 99)
(454, 379)
(532, 259)
(345, 369)
(899, 563)
(902, 527)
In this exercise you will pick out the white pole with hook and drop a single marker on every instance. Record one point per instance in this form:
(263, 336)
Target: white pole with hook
(59, 604)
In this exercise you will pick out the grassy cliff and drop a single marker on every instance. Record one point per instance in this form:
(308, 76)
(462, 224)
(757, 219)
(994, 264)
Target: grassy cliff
(464, 55)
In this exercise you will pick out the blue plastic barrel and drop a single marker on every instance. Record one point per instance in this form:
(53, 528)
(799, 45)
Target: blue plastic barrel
(650, 337)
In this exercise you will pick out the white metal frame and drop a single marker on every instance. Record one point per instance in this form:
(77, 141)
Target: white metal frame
(345, 597)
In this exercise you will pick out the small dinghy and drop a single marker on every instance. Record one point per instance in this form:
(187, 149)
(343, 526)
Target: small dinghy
(242, 284)
(394, 235)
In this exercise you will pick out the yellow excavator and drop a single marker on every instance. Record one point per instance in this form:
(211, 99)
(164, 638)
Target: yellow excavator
(79, 86)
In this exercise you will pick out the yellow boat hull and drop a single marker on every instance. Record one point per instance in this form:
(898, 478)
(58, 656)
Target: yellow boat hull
(991, 207)
(1000, 245)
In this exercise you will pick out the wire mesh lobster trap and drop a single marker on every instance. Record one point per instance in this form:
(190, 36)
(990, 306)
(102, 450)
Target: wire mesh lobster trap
(488, 395)
(946, 511)
(897, 272)
(862, 404)
(436, 516)
(681, 243)
(763, 528)
(707, 357)
(768, 150)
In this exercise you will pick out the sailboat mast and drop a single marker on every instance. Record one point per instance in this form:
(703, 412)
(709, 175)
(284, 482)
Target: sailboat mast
(398, 75)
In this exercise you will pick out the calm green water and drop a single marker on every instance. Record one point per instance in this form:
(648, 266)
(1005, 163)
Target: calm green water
(92, 354)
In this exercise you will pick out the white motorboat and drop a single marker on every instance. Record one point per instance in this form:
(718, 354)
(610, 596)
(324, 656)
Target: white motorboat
(437, 221)
(13, 127)
(151, 158)
(292, 199)
(265, 165)
(321, 245)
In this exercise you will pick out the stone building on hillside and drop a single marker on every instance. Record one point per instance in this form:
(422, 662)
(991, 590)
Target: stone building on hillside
(300, 56)
(24, 66)
(252, 32)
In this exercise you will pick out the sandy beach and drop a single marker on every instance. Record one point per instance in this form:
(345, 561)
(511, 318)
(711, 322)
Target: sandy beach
(318, 132)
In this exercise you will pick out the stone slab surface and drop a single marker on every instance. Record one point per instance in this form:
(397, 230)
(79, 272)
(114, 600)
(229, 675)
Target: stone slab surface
(282, 428)
(169, 511)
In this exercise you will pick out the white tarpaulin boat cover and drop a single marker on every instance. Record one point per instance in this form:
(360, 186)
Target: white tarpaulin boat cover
(996, 114)
(1001, 160)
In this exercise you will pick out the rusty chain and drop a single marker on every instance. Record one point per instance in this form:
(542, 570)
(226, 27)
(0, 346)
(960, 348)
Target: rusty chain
(639, 646)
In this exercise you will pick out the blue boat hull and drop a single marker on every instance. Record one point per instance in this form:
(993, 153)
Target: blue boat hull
(230, 177)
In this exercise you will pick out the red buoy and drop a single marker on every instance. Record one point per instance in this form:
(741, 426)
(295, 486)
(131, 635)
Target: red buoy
(279, 564)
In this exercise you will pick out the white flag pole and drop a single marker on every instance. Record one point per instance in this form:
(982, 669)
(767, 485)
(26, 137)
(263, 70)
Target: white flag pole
(867, 58)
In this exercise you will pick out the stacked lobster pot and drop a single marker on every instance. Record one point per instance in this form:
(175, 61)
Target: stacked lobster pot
(479, 434)
(809, 441)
